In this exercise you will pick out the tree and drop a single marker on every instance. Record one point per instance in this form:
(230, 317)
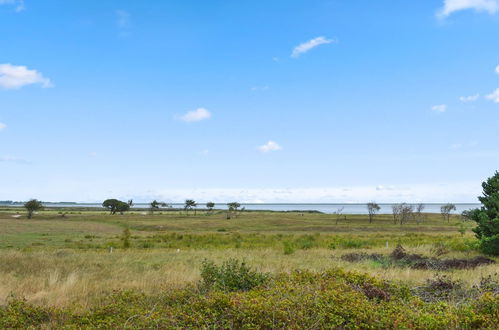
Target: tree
(372, 209)
(233, 208)
(32, 206)
(114, 205)
(339, 214)
(396, 213)
(446, 210)
(210, 206)
(406, 213)
(487, 217)
(419, 215)
(130, 202)
(154, 205)
(189, 205)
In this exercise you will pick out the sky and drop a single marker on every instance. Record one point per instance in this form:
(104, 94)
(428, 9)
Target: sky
(254, 101)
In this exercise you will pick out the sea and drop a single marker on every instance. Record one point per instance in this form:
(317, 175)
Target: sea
(331, 208)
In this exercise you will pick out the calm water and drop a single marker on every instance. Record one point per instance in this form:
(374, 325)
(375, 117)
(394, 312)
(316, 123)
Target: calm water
(325, 208)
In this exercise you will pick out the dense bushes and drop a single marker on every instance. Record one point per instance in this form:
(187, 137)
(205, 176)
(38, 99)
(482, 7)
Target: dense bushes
(487, 217)
(231, 275)
(331, 299)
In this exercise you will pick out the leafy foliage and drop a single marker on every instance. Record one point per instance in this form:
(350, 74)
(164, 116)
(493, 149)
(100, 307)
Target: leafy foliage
(300, 300)
(231, 275)
(114, 205)
(32, 206)
(446, 210)
(487, 217)
(372, 209)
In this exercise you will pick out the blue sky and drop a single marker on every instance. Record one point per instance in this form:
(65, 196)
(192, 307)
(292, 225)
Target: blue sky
(259, 101)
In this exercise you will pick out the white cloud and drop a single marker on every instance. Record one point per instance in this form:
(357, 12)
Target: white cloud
(458, 146)
(2, 126)
(18, 3)
(420, 192)
(17, 76)
(439, 108)
(306, 46)
(471, 98)
(196, 115)
(497, 69)
(11, 159)
(122, 18)
(494, 96)
(270, 146)
(260, 88)
(451, 6)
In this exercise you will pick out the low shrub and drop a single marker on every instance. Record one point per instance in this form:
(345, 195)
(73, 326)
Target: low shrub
(231, 275)
(288, 247)
(301, 300)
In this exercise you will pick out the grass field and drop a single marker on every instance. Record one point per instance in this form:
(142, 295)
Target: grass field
(74, 259)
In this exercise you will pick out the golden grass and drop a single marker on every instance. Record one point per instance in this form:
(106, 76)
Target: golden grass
(82, 278)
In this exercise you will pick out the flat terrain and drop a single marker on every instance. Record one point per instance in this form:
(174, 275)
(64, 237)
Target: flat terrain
(67, 257)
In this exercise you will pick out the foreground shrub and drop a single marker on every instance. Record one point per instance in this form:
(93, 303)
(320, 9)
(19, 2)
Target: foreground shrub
(333, 299)
(487, 217)
(400, 258)
(231, 275)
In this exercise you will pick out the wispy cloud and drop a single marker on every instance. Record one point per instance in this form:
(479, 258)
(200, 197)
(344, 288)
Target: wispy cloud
(11, 159)
(196, 115)
(494, 96)
(452, 6)
(309, 45)
(439, 108)
(122, 18)
(17, 76)
(260, 88)
(2, 126)
(270, 146)
(458, 146)
(497, 69)
(471, 98)
(19, 4)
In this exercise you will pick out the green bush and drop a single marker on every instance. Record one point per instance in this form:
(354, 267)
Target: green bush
(333, 299)
(231, 275)
(288, 247)
(490, 245)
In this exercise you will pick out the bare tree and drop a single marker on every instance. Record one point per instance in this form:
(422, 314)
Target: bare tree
(339, 214)
(418, 214)
(396, 213)
(372, 209)
(446, 210)
(406, 213)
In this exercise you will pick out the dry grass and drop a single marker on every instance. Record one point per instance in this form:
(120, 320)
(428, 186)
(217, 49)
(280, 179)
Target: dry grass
(65, 277)
(65, 261)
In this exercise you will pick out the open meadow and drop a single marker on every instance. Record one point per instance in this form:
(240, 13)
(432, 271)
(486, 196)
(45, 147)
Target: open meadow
(71, 261)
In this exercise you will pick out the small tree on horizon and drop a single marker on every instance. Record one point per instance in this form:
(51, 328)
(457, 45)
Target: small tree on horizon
(189, 205)
(210, 206)
(418, 214)
(396, 213)
(372, 209)
(114, 205)
(31, 206)
(446, 210)
(233, 208)
(154, 205)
